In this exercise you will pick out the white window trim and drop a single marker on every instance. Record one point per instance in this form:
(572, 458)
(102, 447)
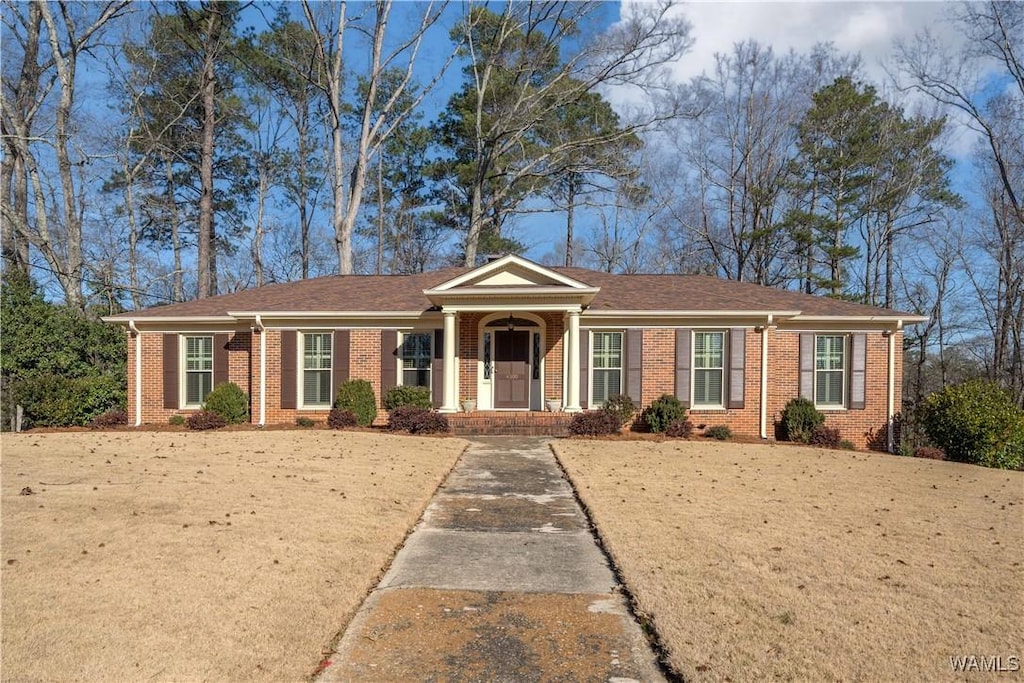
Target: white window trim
(399, 362)
(843, 405)
(693, 370)
(183, 370)
(590, 368)
(300, 365)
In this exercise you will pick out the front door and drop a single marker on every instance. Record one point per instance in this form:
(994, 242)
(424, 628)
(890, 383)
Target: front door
(512, 369)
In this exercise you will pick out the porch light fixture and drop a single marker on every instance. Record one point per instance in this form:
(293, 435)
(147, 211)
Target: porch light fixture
(511, 323)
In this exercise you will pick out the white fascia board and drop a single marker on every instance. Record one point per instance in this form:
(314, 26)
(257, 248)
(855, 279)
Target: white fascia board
(546, 291)
(501, 263)
(760, 315)
(372, 315)
(163, 319)
(513, 307)
(892, 319)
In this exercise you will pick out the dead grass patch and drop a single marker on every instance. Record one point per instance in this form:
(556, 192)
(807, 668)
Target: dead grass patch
(758, 562)
(215, 556)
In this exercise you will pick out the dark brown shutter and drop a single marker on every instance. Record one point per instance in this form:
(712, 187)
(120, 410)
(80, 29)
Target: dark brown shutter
(683, 350)
(807, 365)
(634, 364)
(858, 366)
(388, 356)
(289, 361)
(171, 364)
(737, 364)
(584, 369)
(339, 359)
(220, 359)
(437, 370)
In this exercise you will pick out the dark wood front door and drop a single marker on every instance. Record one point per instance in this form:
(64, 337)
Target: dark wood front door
(512, 369)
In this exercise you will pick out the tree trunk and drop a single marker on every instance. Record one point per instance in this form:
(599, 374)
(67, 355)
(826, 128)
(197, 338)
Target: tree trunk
(380, 214)
(206, 260)
(177, 278)
(570, 210)
(257, 242)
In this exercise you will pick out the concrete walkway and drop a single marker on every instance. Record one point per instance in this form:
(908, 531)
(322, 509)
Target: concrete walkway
(500, 581)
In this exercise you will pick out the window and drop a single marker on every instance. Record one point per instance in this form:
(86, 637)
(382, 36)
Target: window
(416, 359)
(708, 368)
(606, 373)
(198, 369)
(316, 369)
(829, 370)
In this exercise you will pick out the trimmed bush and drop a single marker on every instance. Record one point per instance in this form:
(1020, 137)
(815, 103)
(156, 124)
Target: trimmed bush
(826, 437)
(620, 406)
(720, 432)
(416, 420)
(799, 418)
(176, 420)
(229, 401)
(357, 395)
(339, 418)
(407, 396)
(303, 421)
(847, 445)
(594, 423)
(975, 422)
(665, 410)
(51, 400)
(929, 453)
(680, 429)
(205, 419)
(111, 418)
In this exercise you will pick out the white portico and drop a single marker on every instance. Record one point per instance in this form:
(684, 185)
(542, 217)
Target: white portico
(507, 306)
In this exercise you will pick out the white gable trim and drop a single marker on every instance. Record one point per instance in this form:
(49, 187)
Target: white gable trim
(502, 264)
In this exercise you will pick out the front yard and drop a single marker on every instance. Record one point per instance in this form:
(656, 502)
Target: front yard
(772, 562)
(183, 556)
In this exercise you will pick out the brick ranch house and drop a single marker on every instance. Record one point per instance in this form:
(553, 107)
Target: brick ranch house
(513, 336)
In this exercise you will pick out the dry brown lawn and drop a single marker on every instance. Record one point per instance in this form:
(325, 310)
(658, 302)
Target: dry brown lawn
(773, 562)
(181, 556)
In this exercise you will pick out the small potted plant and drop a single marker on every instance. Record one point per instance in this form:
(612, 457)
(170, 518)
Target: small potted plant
(554, 404)
(468, 405)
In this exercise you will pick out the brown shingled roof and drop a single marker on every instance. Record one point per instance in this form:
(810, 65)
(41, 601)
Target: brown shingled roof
(363, 293)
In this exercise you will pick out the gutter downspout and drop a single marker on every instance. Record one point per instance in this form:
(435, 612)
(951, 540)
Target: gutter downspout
(138, 372)
(764, 376)
(891, 398)
(263, 369)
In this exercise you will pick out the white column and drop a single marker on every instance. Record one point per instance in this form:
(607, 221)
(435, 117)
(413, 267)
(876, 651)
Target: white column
(572, 389)
(451, 381)
(890, 402)
(764, 378)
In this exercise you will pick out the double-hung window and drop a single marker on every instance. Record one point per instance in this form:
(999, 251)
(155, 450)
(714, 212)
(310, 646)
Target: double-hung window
(606, 366)
(830, 370)
(316, 369)
(708, 368)
(198, 369)
(416, 359)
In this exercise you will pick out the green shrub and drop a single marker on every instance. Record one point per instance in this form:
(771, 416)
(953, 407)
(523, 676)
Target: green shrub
(594, 423)
(664, 411)
(205, 419)
(680, 429)
(340, 418)
(847, 445)
(975, 422)
(408, 396)
(229, 401)
(826, 437)
(176, 420)
(621, 407)
(799, 418)
(929, 452)
(51, 400)
(357, 395)
(303, 421)
(720, 432)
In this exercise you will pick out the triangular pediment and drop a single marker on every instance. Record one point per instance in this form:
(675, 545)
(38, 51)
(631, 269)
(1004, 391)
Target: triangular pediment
(512, 272)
